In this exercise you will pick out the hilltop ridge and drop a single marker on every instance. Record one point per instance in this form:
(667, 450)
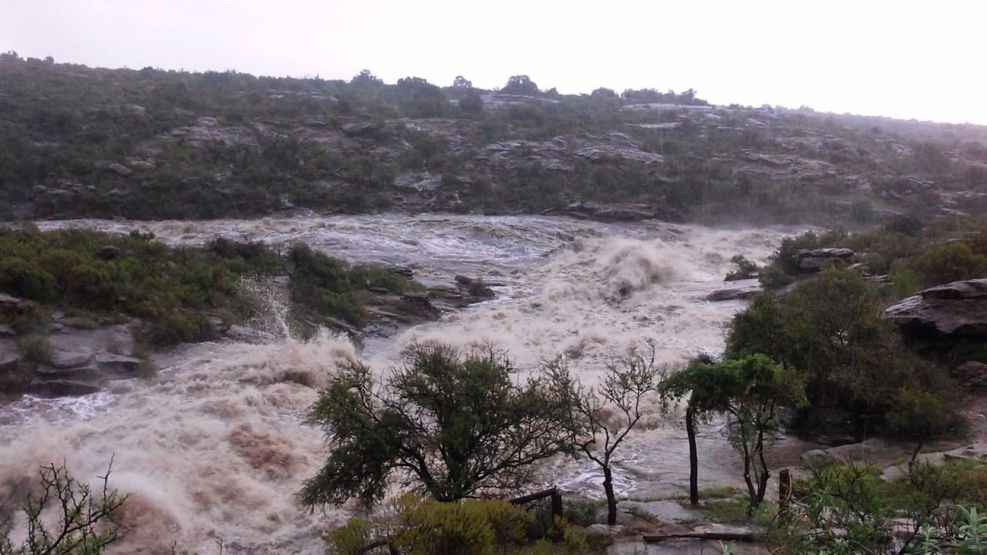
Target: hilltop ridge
(153, 144)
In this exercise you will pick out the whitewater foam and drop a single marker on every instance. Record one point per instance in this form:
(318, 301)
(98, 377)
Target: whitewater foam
(212, 450)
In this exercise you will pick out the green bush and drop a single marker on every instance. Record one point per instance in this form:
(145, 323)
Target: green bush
(950, 262)
(35, 348)
(25, 279)
(421, 526)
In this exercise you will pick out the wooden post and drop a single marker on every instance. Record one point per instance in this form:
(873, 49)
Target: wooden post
(556, 504)
(784, 488)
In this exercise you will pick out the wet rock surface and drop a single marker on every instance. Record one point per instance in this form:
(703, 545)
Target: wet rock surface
(958, 308)
(813, 260)
(75, 360)
(740, 289)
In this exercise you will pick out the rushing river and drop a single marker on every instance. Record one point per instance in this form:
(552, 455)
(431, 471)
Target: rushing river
(212, 450)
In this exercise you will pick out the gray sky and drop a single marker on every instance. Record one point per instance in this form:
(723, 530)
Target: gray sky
(905, 59)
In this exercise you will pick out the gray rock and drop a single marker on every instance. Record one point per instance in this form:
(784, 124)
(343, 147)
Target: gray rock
(62, 388)
(71, 359)
(88, 373)
(817, 456)
(813, 260)
(117, 364)
(957, 308)
(108, 252)
(9, 361)
(7, 331)
(7, 301)
(738, 291)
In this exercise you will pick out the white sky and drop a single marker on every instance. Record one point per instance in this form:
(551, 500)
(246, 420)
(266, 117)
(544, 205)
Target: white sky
(907, 59)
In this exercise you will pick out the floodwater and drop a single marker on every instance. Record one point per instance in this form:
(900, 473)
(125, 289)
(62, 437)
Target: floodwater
(212, 450)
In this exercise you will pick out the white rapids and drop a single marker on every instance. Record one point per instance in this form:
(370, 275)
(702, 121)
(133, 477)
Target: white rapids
(212, 450)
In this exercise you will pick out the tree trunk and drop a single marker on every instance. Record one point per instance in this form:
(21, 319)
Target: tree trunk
(762, 486)
(611, 498)
(690, 430)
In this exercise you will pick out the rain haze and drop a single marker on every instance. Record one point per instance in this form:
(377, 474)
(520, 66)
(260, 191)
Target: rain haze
(899, 59)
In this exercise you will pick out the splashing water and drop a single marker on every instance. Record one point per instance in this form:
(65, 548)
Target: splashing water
(212, 450)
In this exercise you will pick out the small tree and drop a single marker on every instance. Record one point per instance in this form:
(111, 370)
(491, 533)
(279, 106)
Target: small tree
(751, 389)
(698, 381)
(755, 388)
(627, 382)
(450, 423)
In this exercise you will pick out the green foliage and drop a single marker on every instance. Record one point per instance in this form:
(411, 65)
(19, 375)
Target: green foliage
(415, 525)
(950, 262)
(920, 412)
(467, 527)
(34, 348)
(752, 388)
(772, 277)
(726, 510)
(850, 509)
(746, 269)
(323, 286)
(78, 142)
(829, 330)
(174, 290)
(455, 423)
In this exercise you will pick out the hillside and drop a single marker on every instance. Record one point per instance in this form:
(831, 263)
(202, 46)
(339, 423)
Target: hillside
(152, 144)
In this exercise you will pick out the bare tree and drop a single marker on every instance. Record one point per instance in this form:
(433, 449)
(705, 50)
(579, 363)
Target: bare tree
(86, 521)
(610, 410)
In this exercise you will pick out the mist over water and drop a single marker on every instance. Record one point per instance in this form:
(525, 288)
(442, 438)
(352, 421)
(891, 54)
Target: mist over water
(212, 450)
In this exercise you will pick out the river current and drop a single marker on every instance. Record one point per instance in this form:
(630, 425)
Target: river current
(212, 450)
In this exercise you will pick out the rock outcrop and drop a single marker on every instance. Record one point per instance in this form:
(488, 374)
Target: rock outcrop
(954, 309)
(81, 360)
(740, 289)
(813, 260)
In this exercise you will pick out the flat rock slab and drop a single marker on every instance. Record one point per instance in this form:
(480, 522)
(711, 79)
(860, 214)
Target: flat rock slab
(957, 308)
(118, 364)
(740, 289)
(71, 359)
(62, 388)
(88, 373)
(9, 361)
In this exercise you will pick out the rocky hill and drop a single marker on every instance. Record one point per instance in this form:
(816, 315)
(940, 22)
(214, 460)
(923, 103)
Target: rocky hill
(152, 144)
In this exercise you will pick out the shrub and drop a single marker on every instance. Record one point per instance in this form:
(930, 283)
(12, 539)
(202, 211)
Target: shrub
(950, 262)
(419, 526)
(746, 269)
(35, 348)
(456, 423)
(25, 279)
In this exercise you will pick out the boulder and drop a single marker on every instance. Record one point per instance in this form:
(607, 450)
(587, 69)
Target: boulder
(117, 364)
(956, 309)
(62, 388)
(817, 456)
(108, 252)
(88, 373)
(7, 301)
(814, 259)
(71, 359)
(738, 290)
(9, 361)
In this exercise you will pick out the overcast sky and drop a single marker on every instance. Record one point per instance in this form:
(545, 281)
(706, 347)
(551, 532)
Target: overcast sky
(923, 60)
